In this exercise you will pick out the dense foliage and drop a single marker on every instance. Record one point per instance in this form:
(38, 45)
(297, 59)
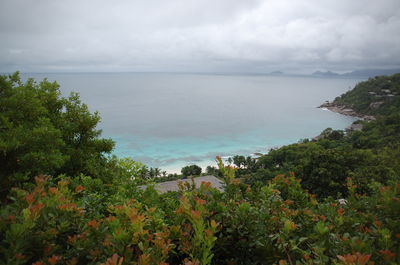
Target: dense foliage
(192, 170)
(331, 201)
(379, 95)
(84, 221)
(44, 133)
(324, 165)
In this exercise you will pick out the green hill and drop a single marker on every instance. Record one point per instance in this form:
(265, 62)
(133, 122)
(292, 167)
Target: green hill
(377, 96)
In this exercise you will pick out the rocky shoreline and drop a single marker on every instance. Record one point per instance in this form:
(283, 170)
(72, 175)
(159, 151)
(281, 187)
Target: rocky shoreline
(345, 110)
(348, 111)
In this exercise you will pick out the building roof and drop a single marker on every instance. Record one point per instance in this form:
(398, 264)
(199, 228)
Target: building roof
(173, 185)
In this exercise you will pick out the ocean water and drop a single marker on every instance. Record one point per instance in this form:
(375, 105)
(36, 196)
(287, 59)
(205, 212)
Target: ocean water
(173, 120)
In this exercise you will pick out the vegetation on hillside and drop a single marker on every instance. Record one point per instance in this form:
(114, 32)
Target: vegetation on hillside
(331, 201)
(377, 96)
(372, 154)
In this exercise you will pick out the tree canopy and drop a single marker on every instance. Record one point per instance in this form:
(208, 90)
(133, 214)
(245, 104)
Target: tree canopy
(42, 132)
(192, 170)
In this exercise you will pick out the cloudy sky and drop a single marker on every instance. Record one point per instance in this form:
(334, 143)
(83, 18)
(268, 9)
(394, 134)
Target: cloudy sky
(198, 35)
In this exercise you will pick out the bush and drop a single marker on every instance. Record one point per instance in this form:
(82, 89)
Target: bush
(84, 221)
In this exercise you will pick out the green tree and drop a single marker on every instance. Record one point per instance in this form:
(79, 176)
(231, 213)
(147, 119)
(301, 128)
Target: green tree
(192, 170)
(130, 169)
(239, 161)
(44, 133)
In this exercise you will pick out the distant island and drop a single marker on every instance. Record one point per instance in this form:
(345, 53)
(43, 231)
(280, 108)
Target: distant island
(276, 73)
(325, 74)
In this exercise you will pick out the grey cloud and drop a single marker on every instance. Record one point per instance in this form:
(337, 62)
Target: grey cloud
(192, 35)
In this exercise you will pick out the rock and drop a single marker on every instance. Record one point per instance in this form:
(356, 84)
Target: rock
(355, 127)
(369, 118)
(316, 138)
(345, 110)
(375, 105)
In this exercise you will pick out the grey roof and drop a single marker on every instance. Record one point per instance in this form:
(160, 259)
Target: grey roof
(173, 185)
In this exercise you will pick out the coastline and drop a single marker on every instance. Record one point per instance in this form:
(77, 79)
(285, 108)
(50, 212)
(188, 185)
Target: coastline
(345, 110)
(330, 106)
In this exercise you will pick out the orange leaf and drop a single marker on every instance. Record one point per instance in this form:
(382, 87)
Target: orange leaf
(196, 214)
(387, 255)
(340, 211)
(79, 189)
(54, 259)
(93, 224)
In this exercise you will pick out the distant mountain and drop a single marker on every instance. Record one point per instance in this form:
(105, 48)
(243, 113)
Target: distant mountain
(371, 72)
(325, 74)
(276, 73)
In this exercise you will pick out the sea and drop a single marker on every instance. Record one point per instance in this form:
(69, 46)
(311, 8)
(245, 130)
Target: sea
(170, 120)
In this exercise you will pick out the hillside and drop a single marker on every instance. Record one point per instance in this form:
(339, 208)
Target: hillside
(377, 96)
(324, 164)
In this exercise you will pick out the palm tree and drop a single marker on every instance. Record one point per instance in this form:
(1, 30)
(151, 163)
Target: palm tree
(151, 172)
(157, 172)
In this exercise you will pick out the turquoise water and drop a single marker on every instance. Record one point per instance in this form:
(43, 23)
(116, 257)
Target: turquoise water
(172, 120)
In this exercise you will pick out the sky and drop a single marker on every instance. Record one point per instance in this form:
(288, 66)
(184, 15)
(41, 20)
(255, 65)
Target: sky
(294, 36)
